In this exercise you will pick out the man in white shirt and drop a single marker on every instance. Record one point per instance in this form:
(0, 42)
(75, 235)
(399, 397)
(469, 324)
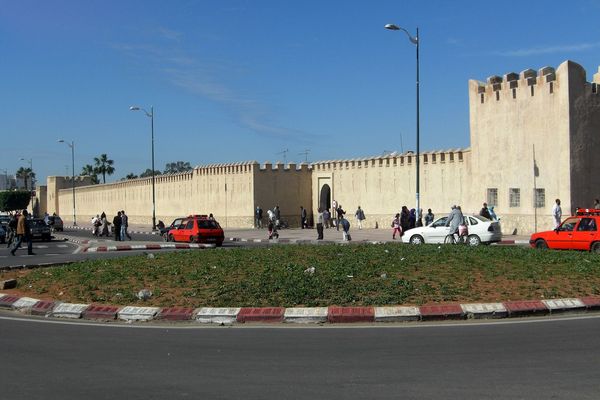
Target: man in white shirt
(557, 213)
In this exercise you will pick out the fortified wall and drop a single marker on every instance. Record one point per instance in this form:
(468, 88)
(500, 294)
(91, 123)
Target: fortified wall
(228, 191)
(554, 112)
(382, 185)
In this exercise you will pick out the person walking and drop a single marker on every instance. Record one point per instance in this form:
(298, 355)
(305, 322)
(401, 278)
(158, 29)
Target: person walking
(23, 233)
(360, 217)
(396, 226)
(429, 217)
(340, 215)
(258, 214)
(404, 218)
(302, 217)
(557, 213)
(277, 213)
(117, 226)
(96, 225)
(11, 233)
(485, 212)
(327, 218)
(412, 218)
(105, 224)
(597, 204)
(320, 224)
(124, 226)
(345, 229)
(493, 215)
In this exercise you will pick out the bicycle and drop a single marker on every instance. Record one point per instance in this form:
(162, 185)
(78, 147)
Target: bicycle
(455, 238)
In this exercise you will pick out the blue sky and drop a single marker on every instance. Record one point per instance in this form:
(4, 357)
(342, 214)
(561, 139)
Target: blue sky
(243, 80)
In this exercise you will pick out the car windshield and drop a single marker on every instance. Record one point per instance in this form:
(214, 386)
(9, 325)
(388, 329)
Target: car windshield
(38, 222)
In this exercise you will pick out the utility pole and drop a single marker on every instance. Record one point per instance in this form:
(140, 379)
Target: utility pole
(284, 152)
(305, 153)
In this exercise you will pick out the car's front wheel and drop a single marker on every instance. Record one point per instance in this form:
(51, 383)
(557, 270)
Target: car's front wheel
(473, 240)
(170, 238)
(596, 248)
(417, 239)
(541, 244)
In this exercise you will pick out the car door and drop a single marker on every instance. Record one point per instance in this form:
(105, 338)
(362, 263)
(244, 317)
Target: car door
(181, 231)
(437, 231)
(584, 234)
(561, 237)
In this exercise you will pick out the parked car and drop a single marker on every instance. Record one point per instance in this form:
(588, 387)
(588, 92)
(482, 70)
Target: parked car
(4, 219)
(55, 222)
(164, 232)
(39, 229)
(2, 234)
(197, 229)
(481, 230)
(578, 232)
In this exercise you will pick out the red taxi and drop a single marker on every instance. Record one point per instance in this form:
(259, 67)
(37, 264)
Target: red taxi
(197, 229)
(579, 232)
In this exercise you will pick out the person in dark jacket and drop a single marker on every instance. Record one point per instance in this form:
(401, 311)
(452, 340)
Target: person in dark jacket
(23, 233)
(117, 226)
(485, 213)
(404, 219)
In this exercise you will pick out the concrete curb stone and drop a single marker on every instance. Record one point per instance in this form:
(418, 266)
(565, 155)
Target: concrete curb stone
(332, 314)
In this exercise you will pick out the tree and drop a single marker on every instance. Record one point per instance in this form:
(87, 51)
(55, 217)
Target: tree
(179, 166)
(14, 200)
(103, 166)
(148, 172)
(131, 175)
(25, 174)
(89, 170)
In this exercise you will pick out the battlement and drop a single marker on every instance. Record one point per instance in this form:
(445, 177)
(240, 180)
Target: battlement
(393, 159)
(529, 82)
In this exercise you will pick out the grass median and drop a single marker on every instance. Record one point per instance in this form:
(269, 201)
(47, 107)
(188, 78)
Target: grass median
(307, 275)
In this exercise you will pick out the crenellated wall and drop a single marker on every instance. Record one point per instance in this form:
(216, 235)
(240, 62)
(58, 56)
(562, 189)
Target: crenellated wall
(382, 185)
(554, 111)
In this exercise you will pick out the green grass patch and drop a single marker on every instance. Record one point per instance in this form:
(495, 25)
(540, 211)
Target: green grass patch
(344, 275)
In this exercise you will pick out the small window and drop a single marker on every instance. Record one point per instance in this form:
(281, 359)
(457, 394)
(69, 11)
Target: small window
(425, 158)
(443, 157)
(492, 197)
(539, 198)
(514, 92)
(451, 157)
(497, 96)
(531, 90)
(190, 224)
(481, 98)
(551, 87)
(433, 158)
(473, 221)
(514, 197)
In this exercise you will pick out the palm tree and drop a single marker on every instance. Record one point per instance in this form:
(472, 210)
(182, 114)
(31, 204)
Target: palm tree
(25, 173)
(89, 170)
(104, 166)
(131, 176)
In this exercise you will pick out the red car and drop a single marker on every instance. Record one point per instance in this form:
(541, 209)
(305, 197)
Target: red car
(197, 229)
(579, 232)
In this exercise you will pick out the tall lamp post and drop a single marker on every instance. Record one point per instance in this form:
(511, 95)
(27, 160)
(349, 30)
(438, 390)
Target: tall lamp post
(151, 116)
(30, 181)
(72, 146)
(414, 40)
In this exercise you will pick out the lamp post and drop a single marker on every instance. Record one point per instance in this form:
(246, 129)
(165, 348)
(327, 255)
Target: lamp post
(151, 116)
(72, 146)
(30, 181)
(414, 40)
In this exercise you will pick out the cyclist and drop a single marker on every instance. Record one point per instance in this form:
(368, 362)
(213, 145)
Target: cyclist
(455, 219)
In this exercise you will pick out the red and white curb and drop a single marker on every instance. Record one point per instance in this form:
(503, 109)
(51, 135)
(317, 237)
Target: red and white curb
(152, 246)
(307, 315)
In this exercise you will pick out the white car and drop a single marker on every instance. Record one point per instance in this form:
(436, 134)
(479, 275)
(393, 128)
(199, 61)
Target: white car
(481, 230)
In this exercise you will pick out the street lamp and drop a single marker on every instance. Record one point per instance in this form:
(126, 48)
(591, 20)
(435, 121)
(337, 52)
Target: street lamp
(151, 116)
(72, 146)
(30, 181)
(414, 40)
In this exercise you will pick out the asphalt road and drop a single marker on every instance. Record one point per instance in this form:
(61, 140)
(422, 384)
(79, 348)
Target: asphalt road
(549, 359)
